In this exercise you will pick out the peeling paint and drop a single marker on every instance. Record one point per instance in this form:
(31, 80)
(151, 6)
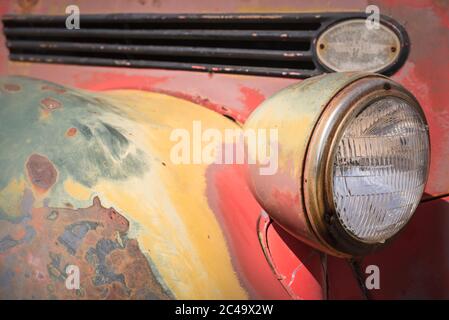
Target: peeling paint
(121, 139)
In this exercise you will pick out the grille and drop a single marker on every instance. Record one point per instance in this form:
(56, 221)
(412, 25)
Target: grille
(279, 45)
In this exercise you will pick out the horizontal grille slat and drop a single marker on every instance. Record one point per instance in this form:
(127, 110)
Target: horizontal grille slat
(263, 71)
(161, 50)
(180, 19)
(246, 35)
(280, 45)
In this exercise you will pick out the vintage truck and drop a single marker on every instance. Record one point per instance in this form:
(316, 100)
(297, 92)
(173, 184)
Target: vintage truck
(96, 201)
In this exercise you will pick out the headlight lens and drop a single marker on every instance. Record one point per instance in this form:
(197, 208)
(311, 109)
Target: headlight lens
(380, 169)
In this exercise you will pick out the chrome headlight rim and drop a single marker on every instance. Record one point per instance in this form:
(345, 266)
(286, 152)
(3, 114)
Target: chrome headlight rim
(318, 167)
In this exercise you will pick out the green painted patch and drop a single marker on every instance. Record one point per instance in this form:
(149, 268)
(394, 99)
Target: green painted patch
(69, 127)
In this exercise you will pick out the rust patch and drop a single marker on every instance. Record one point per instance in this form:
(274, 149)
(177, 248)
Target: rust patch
(111, 265)
(51, 104)
(205, 102)
(54, 89)
(41, 171)
(71, 132)
(12, 87)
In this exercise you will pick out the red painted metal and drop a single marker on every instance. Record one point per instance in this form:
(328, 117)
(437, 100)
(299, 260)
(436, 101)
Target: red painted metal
(226, 187)
(300, 268)
(426, 75)
(414, 266)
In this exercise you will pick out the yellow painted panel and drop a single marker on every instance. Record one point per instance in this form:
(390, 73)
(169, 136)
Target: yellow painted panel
(167, 207)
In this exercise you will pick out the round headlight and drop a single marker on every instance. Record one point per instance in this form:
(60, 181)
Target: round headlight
(366, 165)
(379, 169)
(353, 161)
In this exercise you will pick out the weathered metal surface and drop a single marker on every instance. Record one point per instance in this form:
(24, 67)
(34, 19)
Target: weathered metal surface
(419, 74)
(149, 50)
(226, 187)
(66, 157)
(213, 66)
(425, 74)
(38, 245)
(107, 34)
(296, 271)
(300, 268)
(291, 54)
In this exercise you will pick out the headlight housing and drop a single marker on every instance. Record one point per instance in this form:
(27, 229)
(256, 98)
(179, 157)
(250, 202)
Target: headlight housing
(353, 161)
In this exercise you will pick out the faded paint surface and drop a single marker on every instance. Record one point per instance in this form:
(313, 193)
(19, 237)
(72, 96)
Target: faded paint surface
(36, 250)
(300, 268)
(119, 156)
(425, 74)
(226, 187)
(237, 96)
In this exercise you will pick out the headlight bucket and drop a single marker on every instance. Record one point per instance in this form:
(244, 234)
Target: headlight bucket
(311, 117)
